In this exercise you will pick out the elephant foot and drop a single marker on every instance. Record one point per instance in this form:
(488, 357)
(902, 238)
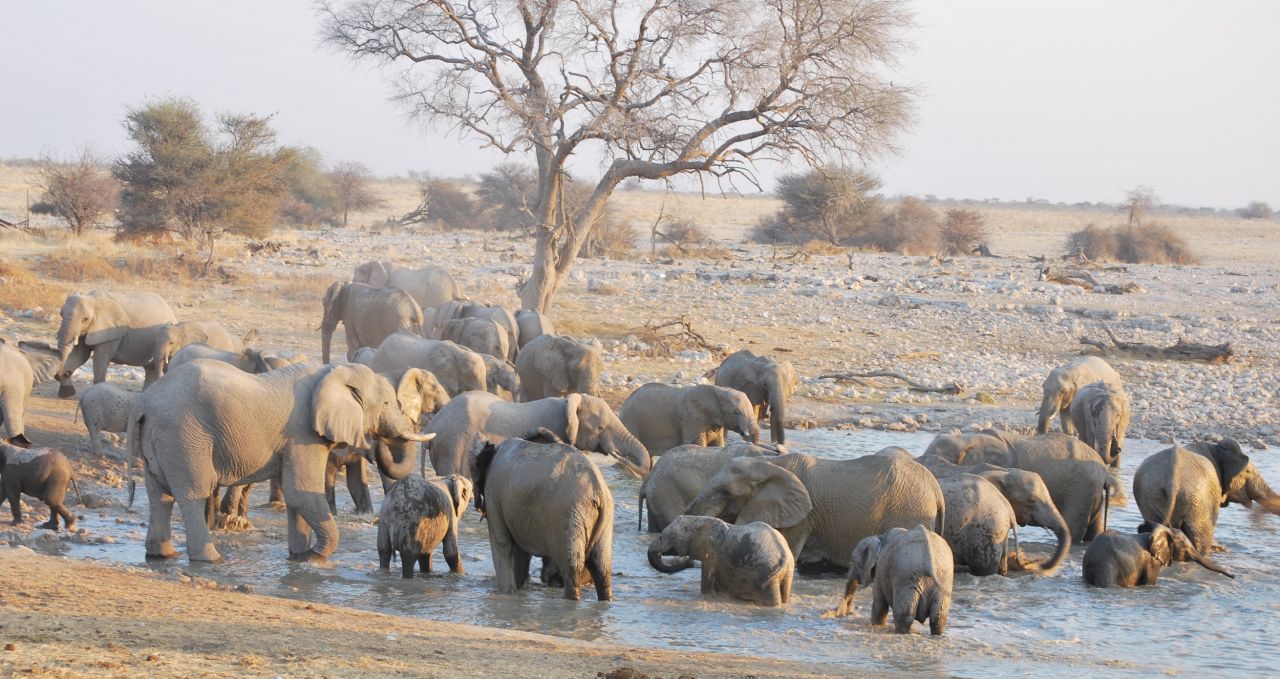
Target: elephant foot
(161, 556)
(271, 505)
(50, 524)
(66, 391)
(208, 555)
(231, 523)
(310, 556)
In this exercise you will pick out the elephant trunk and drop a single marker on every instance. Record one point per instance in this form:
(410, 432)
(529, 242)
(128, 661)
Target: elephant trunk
(326, 338)
(1258, 491)
(396, 457)
(777, 413)
(1209, 565)
(710, 502)
(656, 548)
(1050, 518)
(629, 448)
(1049, 407)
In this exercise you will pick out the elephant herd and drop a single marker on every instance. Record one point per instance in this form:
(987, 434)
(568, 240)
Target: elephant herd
(508, 409)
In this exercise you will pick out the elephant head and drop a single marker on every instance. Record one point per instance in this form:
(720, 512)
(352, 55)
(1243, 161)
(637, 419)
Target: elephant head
(1168, 545)
(419, 394)
(1032, 506)
(335, 301)
(750, 489)
(460, 490)
(862, 570)
(691, 538)
(723, 407)
(376, 274)
(969, 449)
(592, 425)
(91, 319)
(350, 401)
(1240, 480)
(1107, 414)
(171, 338)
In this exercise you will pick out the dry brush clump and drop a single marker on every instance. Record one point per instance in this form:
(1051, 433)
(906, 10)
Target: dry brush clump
(1137, 244)
(20, 289)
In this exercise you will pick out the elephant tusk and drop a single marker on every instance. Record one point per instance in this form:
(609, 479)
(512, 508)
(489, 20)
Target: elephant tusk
(420, 438)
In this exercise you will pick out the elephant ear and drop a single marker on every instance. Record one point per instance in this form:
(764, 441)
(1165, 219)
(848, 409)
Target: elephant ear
(1159, 544)
(459, 491)
(332, 297)
(409, 392)
(337, 407)
(44, 359)
(1230, 462)
(373, 273)
(110, 322)
(572, 403)
(780, 499)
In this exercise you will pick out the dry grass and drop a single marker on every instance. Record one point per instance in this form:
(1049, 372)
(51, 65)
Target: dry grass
(307, 288)
(21, 290)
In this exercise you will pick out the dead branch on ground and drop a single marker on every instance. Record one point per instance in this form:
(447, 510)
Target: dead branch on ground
(676, 334)
(1183, 350)
(949, 388)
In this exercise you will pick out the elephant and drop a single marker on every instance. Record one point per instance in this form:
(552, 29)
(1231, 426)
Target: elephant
(417, 515)
(500, 377)
(1027, 496)
(586, 422)
(1078, 481)
(766, 382)
(481, 335)
(681, 473)
(209, 424)
(531, 325)
(664, 416)
(368, 315)
(106, 408)
(42, 473)
(1115, 559)
(110, 328)
(498, 314)
(750, 562)
(248, 360)
(21, 369)
(1100, 414)
(547, 500)
(458, 368)
(434, 319)
(1061, 386)
(979, 520)
(1184, 488)
(430, 287)
(823, 507)
(175, 336)
(556, 365)
(910, 572)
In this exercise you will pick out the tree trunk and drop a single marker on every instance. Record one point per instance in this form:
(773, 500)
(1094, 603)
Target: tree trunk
(344, 217)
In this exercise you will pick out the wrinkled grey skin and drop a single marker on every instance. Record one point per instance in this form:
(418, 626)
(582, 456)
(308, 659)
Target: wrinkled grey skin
(106, 408)
(1027, 496)
(110, 328)
(556, 365)
(1115, 559)
(664, 416)
(897, 452)
(42, 473)
(532, 325)
(500, 377)
(434, 319)
(1077, 479)
(911, 574)
(498, 314)
(750, 562)
(1184, 488)
(547, 500)
(417, 515)
(248, 360)
(823, 507)
(430, 286)
(21, 368)
(681, 473)
(586, 422)
(458, 368)
(979, 521)
(1061, 386)
(207, 424)
(481, 335)
(1100, 414)
(175, 336)
(766, 382)
(369, 315)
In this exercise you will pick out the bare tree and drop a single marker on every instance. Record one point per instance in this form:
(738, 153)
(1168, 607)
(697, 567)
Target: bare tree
(81, 192)
(351, 188)
(658, 87)
(1138, 202)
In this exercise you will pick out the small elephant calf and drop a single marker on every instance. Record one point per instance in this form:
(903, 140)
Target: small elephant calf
(42, 473)
(418, 514)
(911, 572)
(1115, 559)
(751, 562)
(105, 408)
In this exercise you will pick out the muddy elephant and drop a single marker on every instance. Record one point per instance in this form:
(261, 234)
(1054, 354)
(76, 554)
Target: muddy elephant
(1115, 559)
(556, 365)
(42, 473)
(1184, 488)
(663, 416)
(910, 573)
(750, 562)
(547, 500)
(368, 315)
(498, 314)
(1062, 384)
(766, 382)
(500, 377)
(417, 515)
(248, 360)
(681, 473)
(823, 507)
(209, 424)
(532, 325)
(585, 422)
(1100, 414)
(175, 336)
(110, 328)
(481, 335)
(21, 368)
(458, 368)
(430, 286)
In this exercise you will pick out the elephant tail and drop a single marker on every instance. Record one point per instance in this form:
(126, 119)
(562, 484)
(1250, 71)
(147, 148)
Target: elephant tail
(640, 512)
(134, 432)
(76, 417)
(76, 487)
(940, 521)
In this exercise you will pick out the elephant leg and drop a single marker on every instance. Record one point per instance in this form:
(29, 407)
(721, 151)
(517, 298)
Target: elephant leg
(159, 544)
(242, 505)
(407, 560)
(503, 549)
(784, 588)
(937, 616)
(330, 483)
(102, 355)
(424, 562)
(299, 533)
(879, 606)
(150, 374)
(199, 543)
(600, 575)
(905, 601)
(1064, 417)
(59, 509)
(358, 487)
(353, 341)
(275, 498)
(520, 565)
(302, 479)
(14, 496)
(79, 355)
(384, 558)
(211, 510)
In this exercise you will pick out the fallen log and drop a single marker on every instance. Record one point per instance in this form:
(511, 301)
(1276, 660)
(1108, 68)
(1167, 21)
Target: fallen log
(1069, 277)
(1182, 350)
(949, 388)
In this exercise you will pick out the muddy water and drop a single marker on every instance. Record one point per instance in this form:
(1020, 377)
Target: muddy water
(1193, 621)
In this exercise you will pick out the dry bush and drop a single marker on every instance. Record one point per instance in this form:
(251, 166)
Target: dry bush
(962, 230)
(450, 206)
(611, 238)
(683, 233)
(78, 265)
(831, 204)
(1256, 210)
(911, 228)
(305, 288)
(178, 268)
(21, 290)
(820, 247)
(1146, 244)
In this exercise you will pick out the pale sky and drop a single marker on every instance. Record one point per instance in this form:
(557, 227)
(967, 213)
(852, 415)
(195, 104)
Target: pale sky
(1067, 101)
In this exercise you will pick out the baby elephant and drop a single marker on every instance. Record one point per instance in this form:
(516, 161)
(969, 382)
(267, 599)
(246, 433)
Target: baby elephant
(106, 408)
(911, 571)
(751, 562)
(42, 473)
(1114, 559)
(418, 514)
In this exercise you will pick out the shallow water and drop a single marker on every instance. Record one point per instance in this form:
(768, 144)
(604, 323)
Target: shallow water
(999, 627)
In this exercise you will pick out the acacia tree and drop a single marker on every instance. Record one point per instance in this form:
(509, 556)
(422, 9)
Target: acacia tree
(82, 191)
(658, 88)
(351, 188)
